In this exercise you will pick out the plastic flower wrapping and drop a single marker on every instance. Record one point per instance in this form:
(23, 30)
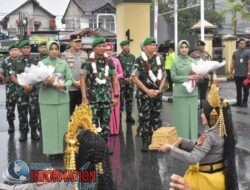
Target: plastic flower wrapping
(35, 74)
(202, 67)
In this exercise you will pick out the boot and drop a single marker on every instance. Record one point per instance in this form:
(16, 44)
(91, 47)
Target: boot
(130, 118)
(34, 135)
(11, 127)
(23, 136)
(145, 143)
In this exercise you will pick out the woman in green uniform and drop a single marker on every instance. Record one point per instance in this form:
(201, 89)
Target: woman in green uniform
(54, 102)
(185, 106)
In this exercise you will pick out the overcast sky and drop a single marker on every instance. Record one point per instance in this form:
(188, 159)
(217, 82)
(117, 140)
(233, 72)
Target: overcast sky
(55, 7)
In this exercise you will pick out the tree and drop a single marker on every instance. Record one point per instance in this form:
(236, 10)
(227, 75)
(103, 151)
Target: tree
(236, 8)
(187, 18)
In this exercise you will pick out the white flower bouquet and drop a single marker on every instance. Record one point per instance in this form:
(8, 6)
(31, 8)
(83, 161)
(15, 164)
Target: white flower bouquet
(35, 74)
(202, 67)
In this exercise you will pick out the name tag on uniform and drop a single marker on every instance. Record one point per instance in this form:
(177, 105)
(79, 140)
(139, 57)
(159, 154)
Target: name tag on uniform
(241, 60)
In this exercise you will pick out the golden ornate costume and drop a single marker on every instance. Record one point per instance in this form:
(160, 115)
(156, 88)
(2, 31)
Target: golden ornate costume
(85, 145)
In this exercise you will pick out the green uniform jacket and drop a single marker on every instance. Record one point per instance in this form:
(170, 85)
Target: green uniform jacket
(50, 95)
(127, 62)
(185, 104)
(180, 70)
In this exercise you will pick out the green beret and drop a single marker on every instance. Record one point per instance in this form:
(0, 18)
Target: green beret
(24, 43)
(149, 40)
(44, 43)
(124, 42)
(97, 41)
(15, 45)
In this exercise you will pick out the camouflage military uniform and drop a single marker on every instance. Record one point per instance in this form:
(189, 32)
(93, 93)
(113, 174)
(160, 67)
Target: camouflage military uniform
(148, 108)
(99, 95)
(26, 102)
(11, 92)
(41, 57)
(127, 89)
(75, 61)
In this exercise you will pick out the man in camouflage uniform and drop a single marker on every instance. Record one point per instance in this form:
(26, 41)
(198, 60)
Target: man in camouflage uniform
(127, 87)
(28, 94)
(75, 57)
(42, 50)
(98, 77)
(11, 93)
(149, 76)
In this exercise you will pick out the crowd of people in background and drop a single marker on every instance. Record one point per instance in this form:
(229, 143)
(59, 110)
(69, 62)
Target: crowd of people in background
(107, 84)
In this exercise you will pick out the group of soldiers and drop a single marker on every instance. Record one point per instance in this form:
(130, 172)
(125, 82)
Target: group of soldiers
(94, 78)
(25, 97)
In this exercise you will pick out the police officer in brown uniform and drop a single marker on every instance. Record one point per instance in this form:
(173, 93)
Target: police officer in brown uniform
(75, 56)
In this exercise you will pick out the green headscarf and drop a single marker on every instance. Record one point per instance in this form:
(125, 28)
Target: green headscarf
(49, 44)
(179, 45)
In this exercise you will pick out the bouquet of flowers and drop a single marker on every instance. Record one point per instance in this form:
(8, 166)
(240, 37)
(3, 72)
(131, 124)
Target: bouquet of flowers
(202, 67)
(35, 74)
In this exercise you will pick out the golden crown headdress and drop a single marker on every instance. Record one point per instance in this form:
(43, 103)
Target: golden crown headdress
(216, 102)
(81, 119)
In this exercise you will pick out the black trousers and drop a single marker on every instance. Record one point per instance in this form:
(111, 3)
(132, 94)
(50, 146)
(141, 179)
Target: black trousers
(202, 88)
(239, 87)
(169, 79)
(75, 99)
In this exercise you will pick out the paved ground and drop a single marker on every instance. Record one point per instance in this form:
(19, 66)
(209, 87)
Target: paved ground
(133, 169)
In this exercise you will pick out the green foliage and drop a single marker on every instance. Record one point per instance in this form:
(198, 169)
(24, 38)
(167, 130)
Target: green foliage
(187, 18)
(235, 9)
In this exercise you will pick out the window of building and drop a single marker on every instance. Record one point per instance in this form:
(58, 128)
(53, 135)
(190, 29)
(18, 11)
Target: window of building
(110, 25)
(92, 24)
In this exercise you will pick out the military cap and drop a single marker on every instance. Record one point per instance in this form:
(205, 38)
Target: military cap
(42, 44)
(149, 40)
(201, 43)
(124, 42)
(97, 41)
(75, 38)
(23, 43)
(15, 45)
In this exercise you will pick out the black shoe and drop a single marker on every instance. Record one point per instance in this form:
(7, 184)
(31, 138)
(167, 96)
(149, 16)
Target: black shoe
(244, 105)
(236, 105)
(53, 157)
(23, 137)
(35, 136)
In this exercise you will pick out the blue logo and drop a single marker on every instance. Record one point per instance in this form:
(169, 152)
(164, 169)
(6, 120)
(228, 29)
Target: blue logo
(18, 171)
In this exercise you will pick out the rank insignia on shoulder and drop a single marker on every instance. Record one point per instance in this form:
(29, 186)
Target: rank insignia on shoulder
(201, 140)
